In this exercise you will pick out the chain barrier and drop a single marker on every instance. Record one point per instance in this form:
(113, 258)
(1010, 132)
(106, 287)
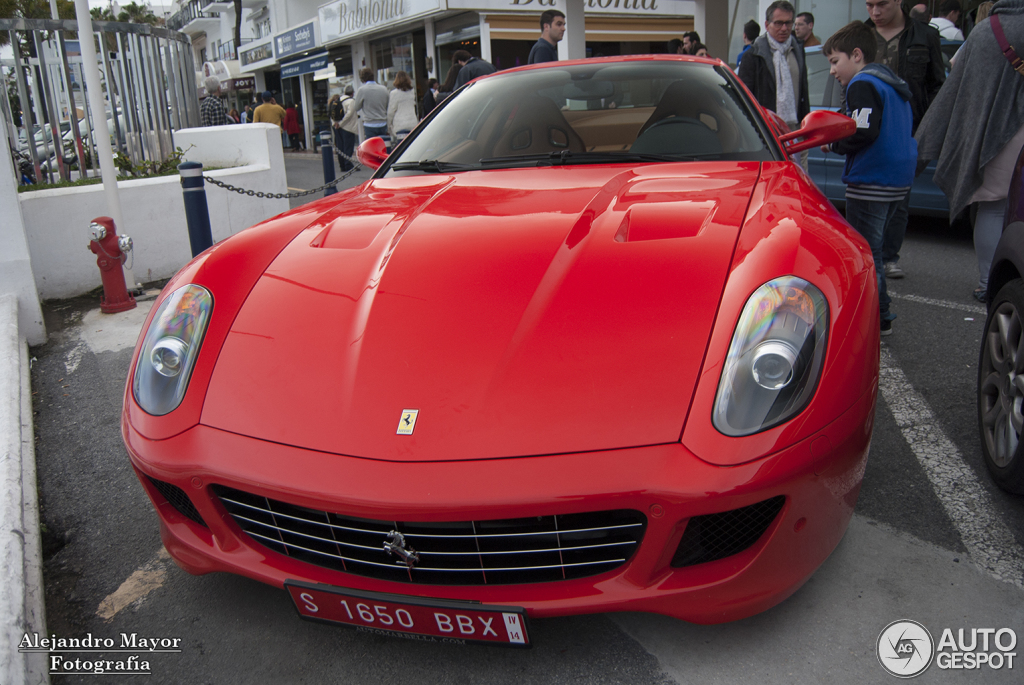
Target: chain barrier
(356, 166)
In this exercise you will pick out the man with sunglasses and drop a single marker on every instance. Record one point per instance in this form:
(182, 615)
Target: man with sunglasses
(774, 68)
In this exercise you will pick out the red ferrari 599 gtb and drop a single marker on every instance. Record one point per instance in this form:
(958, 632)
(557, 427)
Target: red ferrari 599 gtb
(587, 341)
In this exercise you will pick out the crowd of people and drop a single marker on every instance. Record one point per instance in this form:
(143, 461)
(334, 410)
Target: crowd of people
(895, 87)
(907, 112)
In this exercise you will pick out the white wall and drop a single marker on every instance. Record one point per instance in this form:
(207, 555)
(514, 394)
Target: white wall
(15, 266)
(57, 220)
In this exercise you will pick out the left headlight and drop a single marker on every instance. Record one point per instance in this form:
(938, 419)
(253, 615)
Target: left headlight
(170, 349)
(775, 358)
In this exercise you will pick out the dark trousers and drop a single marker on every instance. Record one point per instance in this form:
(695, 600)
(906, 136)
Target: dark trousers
(871, 220)
(895, 232)
(345, 142)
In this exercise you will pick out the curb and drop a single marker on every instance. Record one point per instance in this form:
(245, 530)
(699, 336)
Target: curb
(21, 592)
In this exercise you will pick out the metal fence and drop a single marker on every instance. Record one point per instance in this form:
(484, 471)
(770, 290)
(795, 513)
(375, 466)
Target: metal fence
(149, 81)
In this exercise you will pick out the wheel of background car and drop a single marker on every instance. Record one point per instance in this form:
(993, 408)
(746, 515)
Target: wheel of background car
(1001, 388)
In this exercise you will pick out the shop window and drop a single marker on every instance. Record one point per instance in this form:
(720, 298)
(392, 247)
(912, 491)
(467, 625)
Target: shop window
(392, 55)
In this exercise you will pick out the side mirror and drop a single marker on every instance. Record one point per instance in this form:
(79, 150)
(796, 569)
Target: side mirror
(818, 128)
(372, 152)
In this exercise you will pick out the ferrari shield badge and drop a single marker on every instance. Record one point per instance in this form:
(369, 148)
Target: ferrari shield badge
(408, 421)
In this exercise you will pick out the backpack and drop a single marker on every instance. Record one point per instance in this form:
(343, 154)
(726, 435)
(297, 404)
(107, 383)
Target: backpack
(338, 109)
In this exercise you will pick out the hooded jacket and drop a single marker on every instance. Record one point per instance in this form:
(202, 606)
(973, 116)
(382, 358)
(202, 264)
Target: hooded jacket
(882, 153)
(757, 71)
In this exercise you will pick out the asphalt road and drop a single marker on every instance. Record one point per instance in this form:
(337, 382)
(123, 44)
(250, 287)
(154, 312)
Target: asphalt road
(932, 539)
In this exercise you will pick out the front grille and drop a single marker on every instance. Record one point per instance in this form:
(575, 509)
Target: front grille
(179, 500)
(716, 536)
(501, 552)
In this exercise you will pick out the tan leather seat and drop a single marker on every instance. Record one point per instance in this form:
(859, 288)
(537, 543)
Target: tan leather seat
(536, 126)
(696, 101)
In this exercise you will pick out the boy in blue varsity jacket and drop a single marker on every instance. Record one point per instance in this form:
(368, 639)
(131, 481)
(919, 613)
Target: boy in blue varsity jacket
(881, 157)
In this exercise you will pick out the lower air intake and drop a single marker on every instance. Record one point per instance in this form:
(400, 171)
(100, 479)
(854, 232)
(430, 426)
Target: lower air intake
(716, 536)
(179, 500)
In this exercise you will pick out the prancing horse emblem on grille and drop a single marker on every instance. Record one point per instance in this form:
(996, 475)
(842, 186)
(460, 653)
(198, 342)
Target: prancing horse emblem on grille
(396, 546)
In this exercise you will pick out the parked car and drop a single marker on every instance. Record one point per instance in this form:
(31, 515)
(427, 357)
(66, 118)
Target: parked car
(588, 340)
(70, 150)
(1001, 362)
(827, 168)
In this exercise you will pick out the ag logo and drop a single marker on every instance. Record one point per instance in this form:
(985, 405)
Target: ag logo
(905, 649)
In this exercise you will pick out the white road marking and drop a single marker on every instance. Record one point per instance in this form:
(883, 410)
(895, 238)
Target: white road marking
(74, 357)
(967, 503)
(150, 576)
(959, 306)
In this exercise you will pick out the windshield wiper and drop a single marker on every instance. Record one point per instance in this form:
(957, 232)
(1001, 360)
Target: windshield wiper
(570, 157)
(432, 165)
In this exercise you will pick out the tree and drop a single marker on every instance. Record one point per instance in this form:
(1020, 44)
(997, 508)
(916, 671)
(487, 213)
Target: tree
(102, 14)
(33, 9)
(138, 13)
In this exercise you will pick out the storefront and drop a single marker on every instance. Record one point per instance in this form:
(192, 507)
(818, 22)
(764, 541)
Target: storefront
(298, 87)
(257, 60)
(419, 36)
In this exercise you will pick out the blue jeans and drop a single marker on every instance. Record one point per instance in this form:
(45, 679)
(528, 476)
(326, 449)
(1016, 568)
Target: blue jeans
(872, 219)
(895, 231)
(373, 131)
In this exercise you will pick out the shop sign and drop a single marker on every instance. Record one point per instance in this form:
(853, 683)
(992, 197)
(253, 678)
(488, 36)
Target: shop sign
(241, 83)
(345, 18)
(256, 54)
(634, 7)
(304, 66)
(295, 40)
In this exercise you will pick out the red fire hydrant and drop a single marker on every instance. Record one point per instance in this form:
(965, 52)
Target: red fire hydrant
(112, 252)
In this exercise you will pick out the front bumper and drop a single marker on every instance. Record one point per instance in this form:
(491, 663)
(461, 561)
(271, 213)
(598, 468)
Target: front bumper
(820, 478)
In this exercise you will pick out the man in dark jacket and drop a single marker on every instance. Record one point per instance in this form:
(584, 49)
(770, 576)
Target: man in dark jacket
(472, 67)
(782, 90)
(911, 50)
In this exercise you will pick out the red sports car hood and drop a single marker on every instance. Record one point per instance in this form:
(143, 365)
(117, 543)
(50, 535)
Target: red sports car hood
(518, 312)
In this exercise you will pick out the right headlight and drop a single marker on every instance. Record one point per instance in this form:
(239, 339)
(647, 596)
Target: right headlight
(775, 358)
(170, 348)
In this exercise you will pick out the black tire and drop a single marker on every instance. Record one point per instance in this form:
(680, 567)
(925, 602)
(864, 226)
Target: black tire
(1001, 388)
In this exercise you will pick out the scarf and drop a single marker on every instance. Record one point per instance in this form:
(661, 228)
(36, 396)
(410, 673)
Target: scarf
(978, 110)
(785, 98)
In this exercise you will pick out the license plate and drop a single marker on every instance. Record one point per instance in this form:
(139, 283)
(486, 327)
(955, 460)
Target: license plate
(432, 620)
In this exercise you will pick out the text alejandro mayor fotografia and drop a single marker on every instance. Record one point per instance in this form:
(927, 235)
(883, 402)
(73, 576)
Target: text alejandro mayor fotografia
(90, 654)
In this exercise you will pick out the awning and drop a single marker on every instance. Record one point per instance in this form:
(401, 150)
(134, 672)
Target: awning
(304, 66)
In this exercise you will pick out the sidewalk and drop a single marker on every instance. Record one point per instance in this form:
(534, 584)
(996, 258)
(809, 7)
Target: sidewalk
(21, 593)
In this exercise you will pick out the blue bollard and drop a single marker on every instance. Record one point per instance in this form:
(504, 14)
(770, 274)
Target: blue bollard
(327, 150)
(197, 213)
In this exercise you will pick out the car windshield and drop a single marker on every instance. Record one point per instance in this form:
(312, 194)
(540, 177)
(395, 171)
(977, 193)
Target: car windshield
(593, 113)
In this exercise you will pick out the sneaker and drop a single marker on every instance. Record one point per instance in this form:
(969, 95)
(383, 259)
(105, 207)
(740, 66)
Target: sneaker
(886, 328)
(892, 270)
(981, 295)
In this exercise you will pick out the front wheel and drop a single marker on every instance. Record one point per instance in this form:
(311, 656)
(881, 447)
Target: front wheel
(1001, 388)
